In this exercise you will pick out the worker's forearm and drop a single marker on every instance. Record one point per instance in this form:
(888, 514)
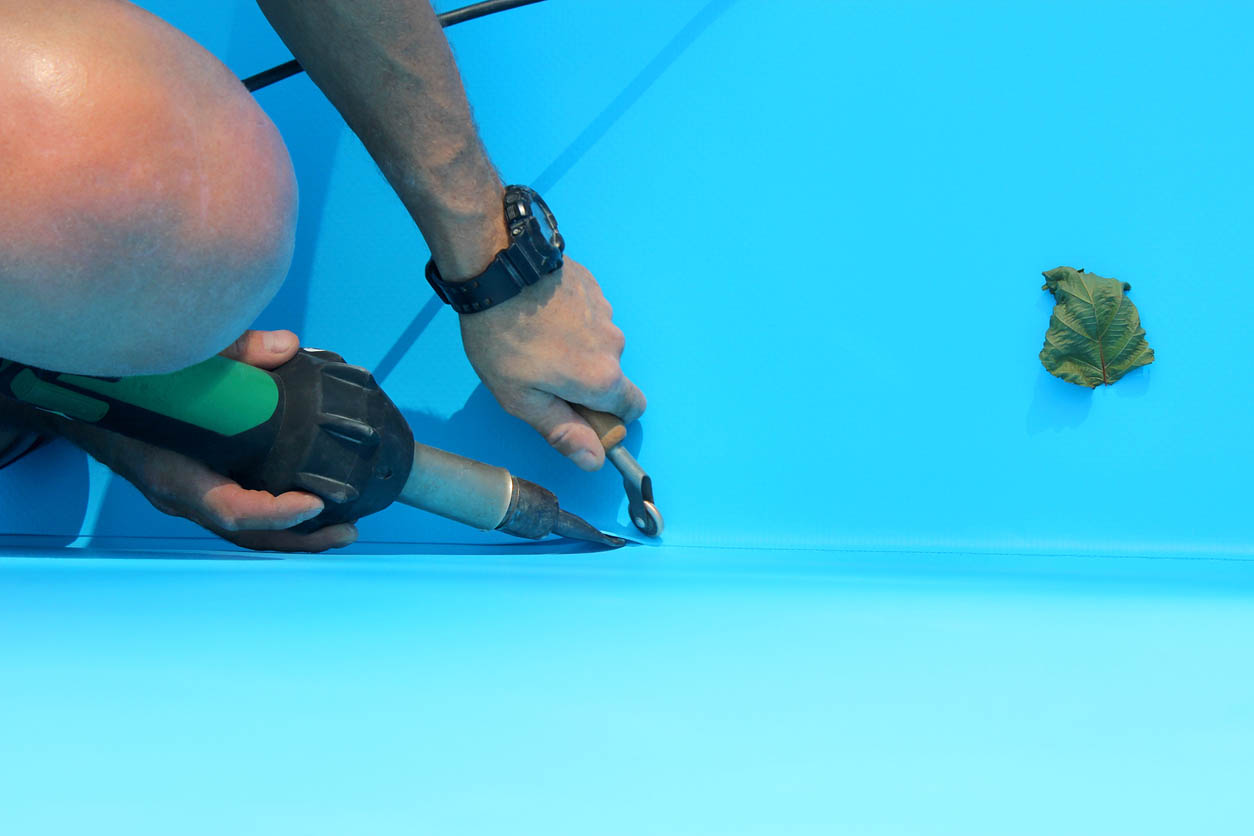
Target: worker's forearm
(387, 67)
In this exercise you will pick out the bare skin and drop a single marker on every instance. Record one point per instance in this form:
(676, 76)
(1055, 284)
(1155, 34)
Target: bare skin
(391, 74)
(553, 345)
(147, 205)
(155, 203)
(182, 487)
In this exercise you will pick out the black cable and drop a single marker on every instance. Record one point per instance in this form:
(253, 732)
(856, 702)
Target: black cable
(487, 7)
(483, 9)
(267, 77)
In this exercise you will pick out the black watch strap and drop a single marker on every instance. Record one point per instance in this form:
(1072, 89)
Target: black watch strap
(501, 281)
(531, 255)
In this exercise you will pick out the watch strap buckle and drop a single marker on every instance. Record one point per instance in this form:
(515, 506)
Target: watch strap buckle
(437, 283)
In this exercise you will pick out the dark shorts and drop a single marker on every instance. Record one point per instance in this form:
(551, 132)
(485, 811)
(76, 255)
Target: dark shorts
(15, 445)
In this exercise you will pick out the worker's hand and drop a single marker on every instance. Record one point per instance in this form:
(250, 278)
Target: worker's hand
(182, 487)
(552, 345)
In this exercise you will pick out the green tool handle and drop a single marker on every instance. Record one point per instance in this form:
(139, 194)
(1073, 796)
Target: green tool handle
(315, 424)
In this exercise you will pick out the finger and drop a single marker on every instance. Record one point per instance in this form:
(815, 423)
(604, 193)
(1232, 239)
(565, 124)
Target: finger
(331, 537)
(626, 401)
(569, 434)
(231, 508)
(614, 394)
(264, 349)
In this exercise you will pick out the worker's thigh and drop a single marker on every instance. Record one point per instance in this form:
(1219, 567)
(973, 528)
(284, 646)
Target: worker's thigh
(147, 205)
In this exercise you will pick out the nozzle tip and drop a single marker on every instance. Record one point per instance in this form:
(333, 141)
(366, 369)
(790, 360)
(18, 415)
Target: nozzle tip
(568, 525)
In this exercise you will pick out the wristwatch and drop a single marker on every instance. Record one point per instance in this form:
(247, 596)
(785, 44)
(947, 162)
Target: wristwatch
(533, 253)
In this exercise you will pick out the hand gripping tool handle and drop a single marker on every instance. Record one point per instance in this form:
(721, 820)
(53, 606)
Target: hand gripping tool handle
(314, 424)
(611, 431)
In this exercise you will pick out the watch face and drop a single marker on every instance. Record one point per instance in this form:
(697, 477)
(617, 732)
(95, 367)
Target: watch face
(534, 229)
(546, 229)
(548, 225)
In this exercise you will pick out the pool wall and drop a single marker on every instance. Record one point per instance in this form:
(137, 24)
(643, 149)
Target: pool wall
(822, 227)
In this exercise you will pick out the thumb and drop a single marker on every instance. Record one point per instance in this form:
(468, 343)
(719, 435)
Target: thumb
(264, 349)
(569, 434)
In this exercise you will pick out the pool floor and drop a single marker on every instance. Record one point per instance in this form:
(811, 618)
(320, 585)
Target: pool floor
(650, 691)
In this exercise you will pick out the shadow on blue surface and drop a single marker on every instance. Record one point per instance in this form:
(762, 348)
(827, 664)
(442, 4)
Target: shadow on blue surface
(571, 155)
(478, 431)
(45, 494)
(123, 548)
(630, 94)
(407, 339)
(303, 105)
(300, 110)
(1057, 404)
(213, 549)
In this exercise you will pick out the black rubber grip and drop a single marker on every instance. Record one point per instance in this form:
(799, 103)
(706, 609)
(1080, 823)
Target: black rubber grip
(324, 426)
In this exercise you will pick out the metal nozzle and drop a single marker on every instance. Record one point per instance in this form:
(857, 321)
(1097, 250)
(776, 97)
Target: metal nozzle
(534, 513)
(489, 497)
(568, 525)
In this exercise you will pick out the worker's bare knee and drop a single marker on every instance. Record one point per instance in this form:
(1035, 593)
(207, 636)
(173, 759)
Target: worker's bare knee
(148, 205)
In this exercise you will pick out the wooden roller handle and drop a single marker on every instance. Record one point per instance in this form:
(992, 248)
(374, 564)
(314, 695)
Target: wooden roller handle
(609, 427)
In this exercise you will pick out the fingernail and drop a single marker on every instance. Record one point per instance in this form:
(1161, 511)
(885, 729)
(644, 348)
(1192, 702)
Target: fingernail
(586, 459)
(306, 516)
(347, 536)
(276, 342)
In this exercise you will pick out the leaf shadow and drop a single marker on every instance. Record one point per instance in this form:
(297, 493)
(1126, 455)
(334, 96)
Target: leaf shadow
(1057, 404)
(1134, 384)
